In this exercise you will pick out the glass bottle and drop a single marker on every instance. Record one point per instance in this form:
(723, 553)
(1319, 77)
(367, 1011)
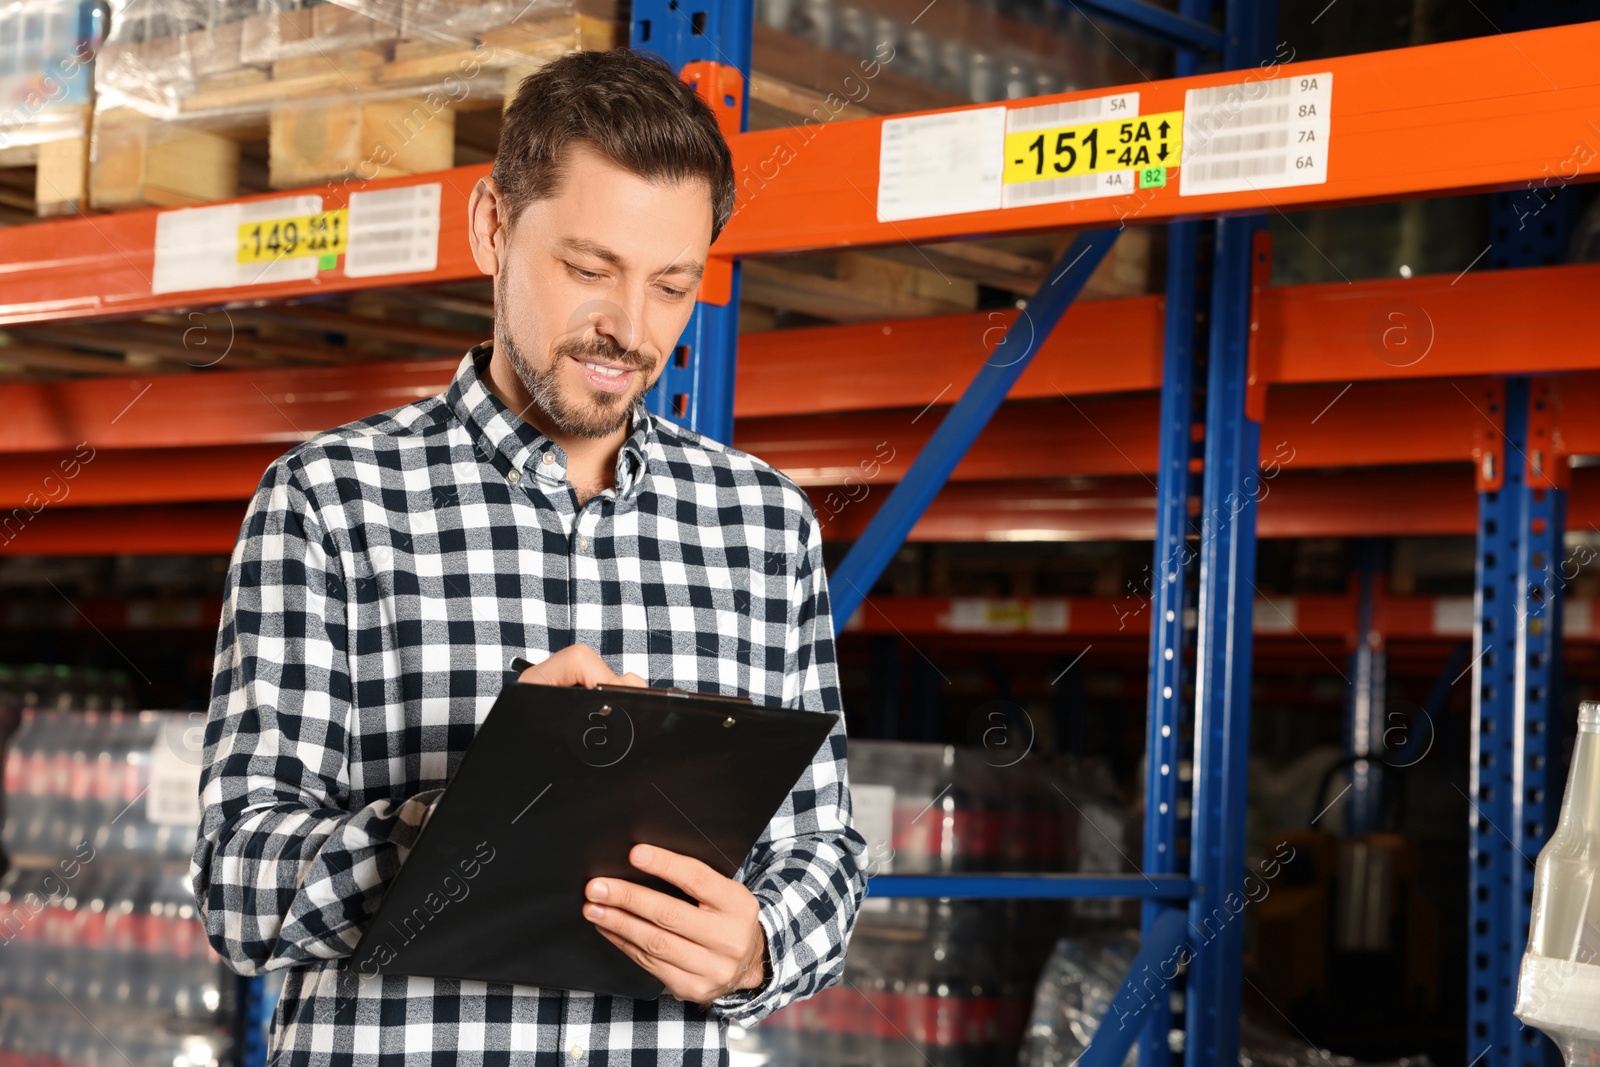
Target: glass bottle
(1559, 987)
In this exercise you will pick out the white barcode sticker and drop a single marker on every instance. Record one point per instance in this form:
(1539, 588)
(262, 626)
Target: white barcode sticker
(198, 247)
(1262, 134)
(175, 760)
(872, 809)
(393, 231)
(945, 164)
(1056, 125)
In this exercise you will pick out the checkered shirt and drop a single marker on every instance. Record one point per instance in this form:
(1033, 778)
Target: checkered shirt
(386, 573)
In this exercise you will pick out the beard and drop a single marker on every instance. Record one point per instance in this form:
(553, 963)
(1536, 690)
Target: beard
(592, 413)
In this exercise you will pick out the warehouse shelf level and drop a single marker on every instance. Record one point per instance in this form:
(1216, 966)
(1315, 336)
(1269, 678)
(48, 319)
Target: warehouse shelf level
(1386, 126)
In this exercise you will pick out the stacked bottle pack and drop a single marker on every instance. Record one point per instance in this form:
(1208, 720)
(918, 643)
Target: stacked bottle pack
(945, 809)
(943, 982)
(97, 919)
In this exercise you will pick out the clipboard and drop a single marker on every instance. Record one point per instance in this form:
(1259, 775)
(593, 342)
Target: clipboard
(556, 787)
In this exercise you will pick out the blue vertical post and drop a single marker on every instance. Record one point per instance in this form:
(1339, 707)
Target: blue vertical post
(1536, 787)
(696, 387)
(1230, 489)
(1491, 968)
(1169, 581)
(1169, 578)
(250, 1021)
(1516, 676)
(1364, 706)
(1222, 658)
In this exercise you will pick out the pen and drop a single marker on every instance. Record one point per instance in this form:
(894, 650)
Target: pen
(519, 664)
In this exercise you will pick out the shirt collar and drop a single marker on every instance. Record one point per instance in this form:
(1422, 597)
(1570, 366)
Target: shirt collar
(516, 448)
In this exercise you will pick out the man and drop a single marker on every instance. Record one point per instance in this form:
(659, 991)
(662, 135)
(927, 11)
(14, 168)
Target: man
(389, 570)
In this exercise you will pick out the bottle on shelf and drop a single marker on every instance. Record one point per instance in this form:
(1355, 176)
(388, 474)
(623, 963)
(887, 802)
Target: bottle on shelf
(1559, 987)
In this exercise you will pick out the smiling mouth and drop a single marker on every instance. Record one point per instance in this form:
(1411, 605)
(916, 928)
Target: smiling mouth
(607, 372)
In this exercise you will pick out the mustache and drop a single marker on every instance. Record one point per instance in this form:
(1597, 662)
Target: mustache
(603, 349)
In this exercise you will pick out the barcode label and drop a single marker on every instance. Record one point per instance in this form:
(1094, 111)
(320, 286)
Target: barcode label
(1076, 187)
(1256, 134)
(198, 247)
(944, 164)
(393, 231)
(1044, 116)
(1052, 117)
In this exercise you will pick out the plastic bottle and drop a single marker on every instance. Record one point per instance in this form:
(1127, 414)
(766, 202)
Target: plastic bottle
(1559, 988)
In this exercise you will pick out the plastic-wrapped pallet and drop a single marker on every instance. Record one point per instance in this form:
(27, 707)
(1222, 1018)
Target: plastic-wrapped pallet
(97, 918)
(47, 50)
(1077, 987)
(360, 89)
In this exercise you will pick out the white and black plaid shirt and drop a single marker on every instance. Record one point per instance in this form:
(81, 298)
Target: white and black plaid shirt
(386, 573)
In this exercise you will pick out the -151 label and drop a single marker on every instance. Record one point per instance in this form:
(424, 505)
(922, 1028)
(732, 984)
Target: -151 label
(1094, 148)
(322, 234)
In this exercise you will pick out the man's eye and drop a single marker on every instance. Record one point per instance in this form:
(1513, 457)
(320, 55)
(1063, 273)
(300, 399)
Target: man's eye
(586, 275)
(671, 293)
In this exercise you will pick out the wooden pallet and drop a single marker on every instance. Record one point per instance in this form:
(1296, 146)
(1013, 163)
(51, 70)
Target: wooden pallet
(354, 98)
(49, 178)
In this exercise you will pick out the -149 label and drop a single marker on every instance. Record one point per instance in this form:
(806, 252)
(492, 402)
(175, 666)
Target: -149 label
(322, 234)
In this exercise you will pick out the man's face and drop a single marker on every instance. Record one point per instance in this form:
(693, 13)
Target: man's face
(598, 282)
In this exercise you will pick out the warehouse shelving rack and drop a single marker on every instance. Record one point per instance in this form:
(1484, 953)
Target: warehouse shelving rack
(1400, 120)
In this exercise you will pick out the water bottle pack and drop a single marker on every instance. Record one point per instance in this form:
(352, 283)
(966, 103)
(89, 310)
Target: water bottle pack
(97, 917)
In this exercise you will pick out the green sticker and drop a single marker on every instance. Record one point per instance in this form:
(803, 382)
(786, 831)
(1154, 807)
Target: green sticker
(1152, 177)
(328, 262)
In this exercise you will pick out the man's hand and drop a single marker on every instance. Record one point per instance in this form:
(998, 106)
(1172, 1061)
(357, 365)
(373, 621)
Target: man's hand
(577, 665)
(699, 953)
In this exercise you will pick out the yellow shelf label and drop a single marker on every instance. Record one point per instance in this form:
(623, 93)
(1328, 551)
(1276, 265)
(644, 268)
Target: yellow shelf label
(302, 236)
(1146, 142)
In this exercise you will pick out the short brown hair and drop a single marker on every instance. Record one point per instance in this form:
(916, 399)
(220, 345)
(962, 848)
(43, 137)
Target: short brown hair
(630, 108)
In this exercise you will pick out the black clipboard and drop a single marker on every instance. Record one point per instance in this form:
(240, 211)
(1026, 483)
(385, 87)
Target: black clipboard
(556, 787)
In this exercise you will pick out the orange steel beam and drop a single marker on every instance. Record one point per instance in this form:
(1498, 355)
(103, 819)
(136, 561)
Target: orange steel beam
(1304, 617)
(1498, 112)
(1308, 427)
(1405, 123)
(1383, 502)
(1520, 321)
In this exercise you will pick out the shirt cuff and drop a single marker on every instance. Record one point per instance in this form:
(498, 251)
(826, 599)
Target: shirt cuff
(749, 1005)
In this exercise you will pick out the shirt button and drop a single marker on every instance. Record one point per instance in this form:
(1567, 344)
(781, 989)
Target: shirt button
(576, 1052)
(514, 477)
(549, 458)
(583, 544)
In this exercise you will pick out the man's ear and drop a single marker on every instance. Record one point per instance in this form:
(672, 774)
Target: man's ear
(486, 226)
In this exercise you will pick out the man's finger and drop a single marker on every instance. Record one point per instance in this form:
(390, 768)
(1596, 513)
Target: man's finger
(688, 874)
(680, 983)
(573, 665)
(654, 941)
(632, 679)
(655, 907)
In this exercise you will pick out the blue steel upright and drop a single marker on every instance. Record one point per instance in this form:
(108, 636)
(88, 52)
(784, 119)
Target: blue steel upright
(1222, 660)
(1176, 484)
(1516, 675)
(1169, 584)
(696, 387)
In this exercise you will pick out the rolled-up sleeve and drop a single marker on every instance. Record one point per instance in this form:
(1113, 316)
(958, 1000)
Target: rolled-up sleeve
(284, 872)
(808, 869)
